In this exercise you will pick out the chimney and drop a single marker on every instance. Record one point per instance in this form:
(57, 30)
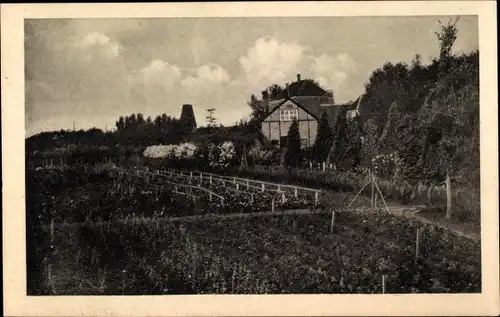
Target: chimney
(265, 100)
(288, 90)
(298, 78)
(329, 93)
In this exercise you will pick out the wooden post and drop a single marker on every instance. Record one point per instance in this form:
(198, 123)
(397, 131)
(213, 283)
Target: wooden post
(333, 221)
(316, 198)
(52, 231)
(237, 187)
(449, 209)
(49, 278)
(210, 197)
(272, 205)
(295, 192)
(210, 177)
(263, 187)
(383, 283)
(323, 166)
(248, 184)
(201, 177)
(251, 199)
(279, 188)
(310, 166)
(417, 244)
(283, 198)
(373, 191)
(191, 174)
(234, 180)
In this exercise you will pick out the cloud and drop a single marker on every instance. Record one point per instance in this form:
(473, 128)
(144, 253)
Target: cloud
(97, 43)
(333, 71)
(271, 61)
(205, 78)
(160, 73)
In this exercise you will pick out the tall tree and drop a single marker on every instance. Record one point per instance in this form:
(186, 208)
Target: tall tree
(293, 151)
(323, 139)
(338, 149)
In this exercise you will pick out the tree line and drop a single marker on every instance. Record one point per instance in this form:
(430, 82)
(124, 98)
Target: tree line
(421, 122)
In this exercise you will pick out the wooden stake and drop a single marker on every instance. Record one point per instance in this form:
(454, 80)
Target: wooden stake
(333, 221)
(383, 283)
(417, 244)
(52, 231)
(49, 278)
(449, 209)
(373, 191)
(272, 206)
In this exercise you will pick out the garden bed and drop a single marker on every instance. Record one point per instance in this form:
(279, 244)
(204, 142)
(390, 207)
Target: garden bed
(285, 254)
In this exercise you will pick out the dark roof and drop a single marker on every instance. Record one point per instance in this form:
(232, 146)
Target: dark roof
(315, 106)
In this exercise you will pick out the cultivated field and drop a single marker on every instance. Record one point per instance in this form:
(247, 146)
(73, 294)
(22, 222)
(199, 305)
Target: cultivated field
(114, 231)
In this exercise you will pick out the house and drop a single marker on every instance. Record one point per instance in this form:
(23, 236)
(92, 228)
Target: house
(307, 110)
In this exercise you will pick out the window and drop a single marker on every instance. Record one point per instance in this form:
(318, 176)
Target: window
(289, 114)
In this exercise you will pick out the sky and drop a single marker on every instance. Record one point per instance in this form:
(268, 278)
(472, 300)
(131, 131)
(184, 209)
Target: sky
(89, 72)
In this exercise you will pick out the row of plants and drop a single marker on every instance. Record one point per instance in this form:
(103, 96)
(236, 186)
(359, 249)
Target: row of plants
(275, 255)
(283, 255)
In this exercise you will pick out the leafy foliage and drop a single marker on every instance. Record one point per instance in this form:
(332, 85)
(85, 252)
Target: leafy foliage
(323, 139)
(293, 151)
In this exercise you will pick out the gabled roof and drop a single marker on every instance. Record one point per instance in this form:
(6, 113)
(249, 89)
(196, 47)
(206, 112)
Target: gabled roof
(316, 105)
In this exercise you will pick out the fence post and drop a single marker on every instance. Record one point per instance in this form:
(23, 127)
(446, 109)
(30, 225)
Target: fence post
(52, 232)
(263, 187)
(272, 205)
(372, 201)
(316, 198)
(449, 209)
(417, 244)
(333, 221)
(383, 284)
(248, 184)
(283, 198)
(295, 192)
(210, 177)
(237, 187)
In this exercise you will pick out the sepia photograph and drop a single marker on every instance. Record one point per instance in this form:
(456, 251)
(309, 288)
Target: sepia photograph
(253, 155)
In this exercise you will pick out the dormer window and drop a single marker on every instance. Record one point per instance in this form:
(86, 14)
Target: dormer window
(289, 114)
